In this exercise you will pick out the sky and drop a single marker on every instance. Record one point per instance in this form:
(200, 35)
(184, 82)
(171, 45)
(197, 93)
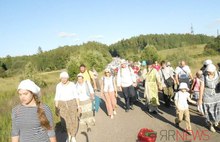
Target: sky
(26, 25)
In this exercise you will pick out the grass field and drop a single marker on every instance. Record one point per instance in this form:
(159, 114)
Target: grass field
(193, 55)
(9, 96)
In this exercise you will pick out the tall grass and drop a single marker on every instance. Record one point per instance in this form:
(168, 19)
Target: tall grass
(9, 98)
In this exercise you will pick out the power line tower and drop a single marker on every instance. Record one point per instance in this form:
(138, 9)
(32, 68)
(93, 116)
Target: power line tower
(217, 32)
(192, 31)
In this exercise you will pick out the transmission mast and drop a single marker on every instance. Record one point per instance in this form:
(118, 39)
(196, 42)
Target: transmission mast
(192, 31)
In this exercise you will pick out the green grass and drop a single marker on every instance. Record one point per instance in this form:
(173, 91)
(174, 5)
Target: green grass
(193, 55)
(9, 99)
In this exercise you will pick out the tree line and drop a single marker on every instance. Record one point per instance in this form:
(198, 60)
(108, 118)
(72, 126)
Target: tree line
(97, 55)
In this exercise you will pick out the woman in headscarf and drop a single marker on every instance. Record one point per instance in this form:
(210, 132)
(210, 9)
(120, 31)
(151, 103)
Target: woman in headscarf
(67, 104)
(152, 83)
(209, 95)
(86, 96)
(32, 121)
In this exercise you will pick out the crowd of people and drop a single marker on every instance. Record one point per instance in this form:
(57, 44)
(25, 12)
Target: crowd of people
(74, 101)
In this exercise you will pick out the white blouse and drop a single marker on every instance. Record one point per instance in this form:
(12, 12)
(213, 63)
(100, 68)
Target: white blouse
(65, 92)
(108, 84)
(84, 90)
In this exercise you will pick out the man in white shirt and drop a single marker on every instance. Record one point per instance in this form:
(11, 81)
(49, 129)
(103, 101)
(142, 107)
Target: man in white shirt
(183, 73)
(126, 81)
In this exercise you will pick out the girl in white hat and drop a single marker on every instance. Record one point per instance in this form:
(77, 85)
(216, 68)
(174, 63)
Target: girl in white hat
(32, 121)
(182, 107)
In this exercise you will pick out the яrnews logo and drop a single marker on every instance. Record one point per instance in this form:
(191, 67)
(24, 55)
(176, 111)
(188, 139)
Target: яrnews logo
(177, 135)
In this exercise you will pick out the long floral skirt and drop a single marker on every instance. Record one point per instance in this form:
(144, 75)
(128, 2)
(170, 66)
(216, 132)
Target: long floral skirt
(86, 118)
(68, 113)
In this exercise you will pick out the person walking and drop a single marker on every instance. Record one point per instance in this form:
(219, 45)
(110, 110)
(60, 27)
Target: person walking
(183, 74)
(204, 67)
(126, 81)
(67, 105)
(182, 107)
(109, 92)
(209, 96)
(88, 76)
(166, 77)
(86, 97)
(32, 121)
(152, 83)
(195, 89)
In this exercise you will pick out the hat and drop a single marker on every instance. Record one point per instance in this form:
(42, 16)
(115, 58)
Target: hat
(168, 63)
(143, 63)
(123, 61)
(149, 62)
(107, 70)
(64, 75)
(30, 86)
(207, 62)
(183, 85)
(80, 75)
(211, 68)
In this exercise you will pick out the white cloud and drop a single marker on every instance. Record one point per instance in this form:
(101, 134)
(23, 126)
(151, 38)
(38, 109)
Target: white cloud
(96, 37)
(65, 34)
(214, 24)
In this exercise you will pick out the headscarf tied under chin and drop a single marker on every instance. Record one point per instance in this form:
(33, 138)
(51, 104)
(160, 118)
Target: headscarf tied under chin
(30, 86)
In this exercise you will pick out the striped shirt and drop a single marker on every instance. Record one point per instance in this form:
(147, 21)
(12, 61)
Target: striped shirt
(26, 125)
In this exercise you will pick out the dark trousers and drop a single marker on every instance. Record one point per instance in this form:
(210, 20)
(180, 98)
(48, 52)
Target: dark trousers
(167, 95)
(129, 95)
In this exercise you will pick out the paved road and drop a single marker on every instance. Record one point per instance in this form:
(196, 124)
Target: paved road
(126, 125)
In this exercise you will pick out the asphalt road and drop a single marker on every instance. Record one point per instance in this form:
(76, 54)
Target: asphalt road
(126, 125)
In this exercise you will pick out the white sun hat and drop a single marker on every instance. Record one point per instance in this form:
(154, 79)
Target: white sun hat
(183, 85)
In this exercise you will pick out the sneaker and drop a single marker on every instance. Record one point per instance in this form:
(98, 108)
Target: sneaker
(73, 139)
(111, 116)
(126, 110)
(216, 124)
(212, 129)
(114, 112)
(132, 107)
(189, 132)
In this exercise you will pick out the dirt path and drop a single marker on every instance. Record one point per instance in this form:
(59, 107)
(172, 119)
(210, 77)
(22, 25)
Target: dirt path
(126, 125)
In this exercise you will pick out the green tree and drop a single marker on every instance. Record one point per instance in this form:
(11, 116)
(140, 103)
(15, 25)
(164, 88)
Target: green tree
(149, 53)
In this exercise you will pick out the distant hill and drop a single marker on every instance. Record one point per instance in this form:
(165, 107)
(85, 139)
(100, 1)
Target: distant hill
(135, 45)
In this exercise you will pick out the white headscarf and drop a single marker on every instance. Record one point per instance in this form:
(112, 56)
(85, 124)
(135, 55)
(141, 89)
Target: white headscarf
(30, 86)
(211, 68)
(64, 74)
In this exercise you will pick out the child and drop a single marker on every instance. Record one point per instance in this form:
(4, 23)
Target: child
(195, 89)
(182, 108)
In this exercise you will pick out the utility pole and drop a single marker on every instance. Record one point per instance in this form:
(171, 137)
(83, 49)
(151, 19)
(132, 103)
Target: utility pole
(217, 32)
(192, 31)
